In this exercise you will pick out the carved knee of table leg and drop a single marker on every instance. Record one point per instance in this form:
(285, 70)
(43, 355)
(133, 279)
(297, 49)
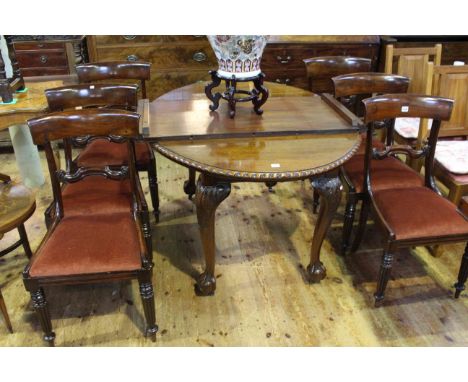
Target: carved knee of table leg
(209, 194)
(329, 188)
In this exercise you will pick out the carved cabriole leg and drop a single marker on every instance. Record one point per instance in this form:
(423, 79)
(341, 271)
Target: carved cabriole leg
(42, 310)
(153, 187)
(189, 185)
(147, 298)
(5, 313)
(24, 240)
(462, 274)
(348, 222)
(329, 187)
(258, 103)
(316, 201)
(209, 195)
(215, 81)
(384, 275)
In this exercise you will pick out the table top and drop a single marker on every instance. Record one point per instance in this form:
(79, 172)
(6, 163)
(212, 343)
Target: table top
(299, 135)
(28, 105)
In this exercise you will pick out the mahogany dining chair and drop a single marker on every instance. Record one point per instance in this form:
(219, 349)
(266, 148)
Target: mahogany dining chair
(109, 151)
(417, 215)
(99, 239)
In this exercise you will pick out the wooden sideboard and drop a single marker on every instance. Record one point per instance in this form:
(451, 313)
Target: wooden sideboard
(181, 60)
(49, 55)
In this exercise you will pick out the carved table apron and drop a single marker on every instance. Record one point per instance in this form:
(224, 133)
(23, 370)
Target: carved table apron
(299, 136)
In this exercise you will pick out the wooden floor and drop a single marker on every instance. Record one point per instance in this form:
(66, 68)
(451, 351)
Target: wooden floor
(263, 243)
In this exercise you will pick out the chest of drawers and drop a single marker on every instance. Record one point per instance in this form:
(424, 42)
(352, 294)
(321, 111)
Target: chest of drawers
(49, 55)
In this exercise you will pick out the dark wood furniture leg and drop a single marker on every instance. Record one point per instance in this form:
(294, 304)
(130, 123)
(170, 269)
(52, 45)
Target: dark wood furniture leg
(5, 313)
(316, 201)
(329, 187)
(40, 306)
(462, 274)
(153, 187)
(384, 275)
(209, 195)
(189, 185)
(361, 229)
(147, 298)
(348, 222)
(24, 240)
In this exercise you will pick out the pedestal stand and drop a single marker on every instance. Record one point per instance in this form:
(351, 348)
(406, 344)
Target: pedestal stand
(258, 95)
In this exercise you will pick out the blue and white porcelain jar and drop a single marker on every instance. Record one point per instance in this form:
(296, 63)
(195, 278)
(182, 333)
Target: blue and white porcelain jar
(238, 55)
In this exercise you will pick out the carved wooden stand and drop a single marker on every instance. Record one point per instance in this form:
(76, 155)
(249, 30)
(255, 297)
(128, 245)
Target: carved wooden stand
(231, 91)
(9, 85)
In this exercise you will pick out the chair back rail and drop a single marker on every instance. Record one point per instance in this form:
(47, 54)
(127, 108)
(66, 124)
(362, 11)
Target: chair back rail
(452, 82)
(123, 97)
(320, 70)
(369, 83)
(115, 70)
(96, 122)
(390, 106)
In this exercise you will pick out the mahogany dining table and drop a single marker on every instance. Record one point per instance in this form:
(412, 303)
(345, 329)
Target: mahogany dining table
(299, 136)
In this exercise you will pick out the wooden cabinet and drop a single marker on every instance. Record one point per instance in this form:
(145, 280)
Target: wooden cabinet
(175, 60)
(283, 55)
(181, 60)
(49, 55)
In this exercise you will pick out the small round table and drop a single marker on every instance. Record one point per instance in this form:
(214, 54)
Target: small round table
(299, 136)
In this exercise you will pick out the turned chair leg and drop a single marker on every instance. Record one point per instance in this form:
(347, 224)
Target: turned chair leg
(40, 306)
(462, 274)
(385, 270)
(147, 298)
(24, 240)
(5, 313)
(365, 209)
(153, 187)
(348, 222)
(316, 201)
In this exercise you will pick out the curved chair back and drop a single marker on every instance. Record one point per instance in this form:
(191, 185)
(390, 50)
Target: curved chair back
(320, 70)
(123, 97)
(115, 70)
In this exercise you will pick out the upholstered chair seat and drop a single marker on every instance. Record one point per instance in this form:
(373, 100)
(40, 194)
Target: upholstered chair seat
(106, 243)
(453, 156)
(419, 213)
(408, 128)
(102, 151)
(386, 173)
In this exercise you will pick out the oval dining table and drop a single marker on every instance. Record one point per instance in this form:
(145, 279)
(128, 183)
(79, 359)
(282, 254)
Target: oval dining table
(299, 136)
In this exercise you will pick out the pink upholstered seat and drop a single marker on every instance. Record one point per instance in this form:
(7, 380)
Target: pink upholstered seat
(453, 155)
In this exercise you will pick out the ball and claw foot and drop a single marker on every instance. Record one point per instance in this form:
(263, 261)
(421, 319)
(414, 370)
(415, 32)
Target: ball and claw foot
(205, 286)
(316, 272)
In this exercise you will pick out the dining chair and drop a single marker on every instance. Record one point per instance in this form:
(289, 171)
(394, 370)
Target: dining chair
(417, 64)
(102, 241)
(100, 149)
(417, 215)
(17, 205)
(123, 97)
(321, 70)
(390, 172)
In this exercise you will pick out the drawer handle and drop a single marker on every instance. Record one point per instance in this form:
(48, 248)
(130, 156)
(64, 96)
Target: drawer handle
(199, 56)
(132, 58)
(286, 81)
(43, 59)
(128, 37)
(282, 60)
